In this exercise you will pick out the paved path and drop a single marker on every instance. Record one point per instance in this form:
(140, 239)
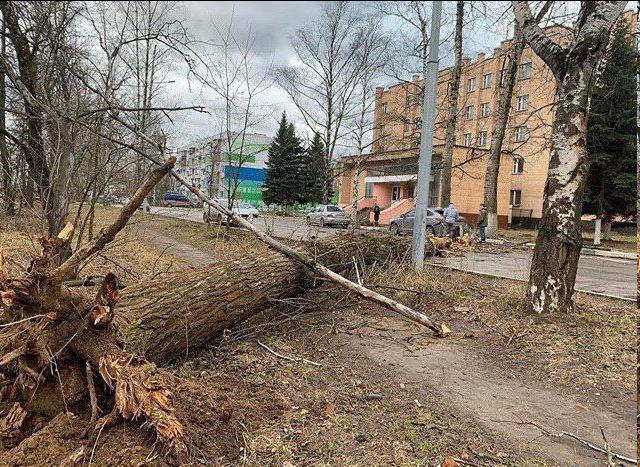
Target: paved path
(611, 276)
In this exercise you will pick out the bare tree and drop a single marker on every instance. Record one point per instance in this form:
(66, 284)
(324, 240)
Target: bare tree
(38, 35)
(444, 196)
(500, 120)
(5, 157)
(238, 77)
(574, 66)
(371, 57)
(323, 87)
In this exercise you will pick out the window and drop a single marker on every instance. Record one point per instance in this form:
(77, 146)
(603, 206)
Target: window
(471, 84)
(503, 75)
(410, 191)
(515, 198)
(468, 112)
(523, 102)
(520, 134)
(482, 139)
(525, 70)
(382, 130)
(395, 193)
(368, 190)
(466, 139)
(407, 98)
(484, 110)
(486, 81)
(383, 107)
(518, 165)
(407, 128)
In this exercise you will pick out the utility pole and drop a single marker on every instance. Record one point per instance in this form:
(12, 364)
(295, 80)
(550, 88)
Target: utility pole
(426, 140)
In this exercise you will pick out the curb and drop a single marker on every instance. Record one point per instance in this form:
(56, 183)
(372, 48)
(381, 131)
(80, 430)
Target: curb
(610, 254)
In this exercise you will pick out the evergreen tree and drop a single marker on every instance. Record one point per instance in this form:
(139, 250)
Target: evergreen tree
(314, 172)
(282, 183)
(611, 132)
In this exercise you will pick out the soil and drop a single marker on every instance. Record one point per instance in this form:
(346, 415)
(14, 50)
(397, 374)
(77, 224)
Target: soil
(387, 392)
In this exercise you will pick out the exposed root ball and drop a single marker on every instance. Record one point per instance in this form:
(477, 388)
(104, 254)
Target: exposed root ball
(141, 391)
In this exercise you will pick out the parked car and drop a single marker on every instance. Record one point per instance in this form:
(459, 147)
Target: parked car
(108, 199)
(329, 215)
(177, 200)
(403, 225)
(244, 210)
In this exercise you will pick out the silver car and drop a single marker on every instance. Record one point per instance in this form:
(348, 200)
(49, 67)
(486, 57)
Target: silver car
(241, 209)
(329, 215)
(403, 225)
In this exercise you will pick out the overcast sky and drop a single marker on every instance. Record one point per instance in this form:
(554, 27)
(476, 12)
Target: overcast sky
(271, 24)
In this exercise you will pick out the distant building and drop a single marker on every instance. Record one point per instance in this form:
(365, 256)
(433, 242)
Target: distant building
(388, 175)
(210, 166)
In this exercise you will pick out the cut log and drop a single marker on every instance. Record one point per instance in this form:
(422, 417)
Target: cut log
(167, 317)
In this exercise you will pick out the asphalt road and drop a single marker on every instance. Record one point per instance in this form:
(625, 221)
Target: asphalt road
(610, 276)
(294, 228)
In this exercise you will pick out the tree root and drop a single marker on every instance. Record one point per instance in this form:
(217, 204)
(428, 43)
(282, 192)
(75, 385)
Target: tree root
(141, 392)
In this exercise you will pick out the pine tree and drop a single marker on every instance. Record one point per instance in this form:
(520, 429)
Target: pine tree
(283, 185)
(611, 132)
(314, 170)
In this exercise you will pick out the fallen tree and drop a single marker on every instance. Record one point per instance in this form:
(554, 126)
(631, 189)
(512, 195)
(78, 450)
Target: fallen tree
(166, 317)
(56, 340)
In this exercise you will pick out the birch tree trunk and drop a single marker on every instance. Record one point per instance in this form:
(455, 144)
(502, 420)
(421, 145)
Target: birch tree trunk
(454, 90)
(5, 160)
(559, 240)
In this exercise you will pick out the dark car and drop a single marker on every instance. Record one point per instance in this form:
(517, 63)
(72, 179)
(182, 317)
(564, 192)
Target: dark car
(177, 200)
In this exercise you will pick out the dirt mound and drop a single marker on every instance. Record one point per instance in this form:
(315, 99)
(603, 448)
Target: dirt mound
(214, 414)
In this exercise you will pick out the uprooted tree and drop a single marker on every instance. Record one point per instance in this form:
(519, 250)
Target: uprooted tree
(52, 332)
(574, 66)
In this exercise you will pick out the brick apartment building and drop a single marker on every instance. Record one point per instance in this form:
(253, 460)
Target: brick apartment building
(207, 165)
(388, 175)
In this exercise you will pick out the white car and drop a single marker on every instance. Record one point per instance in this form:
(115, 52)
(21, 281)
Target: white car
(244, 210)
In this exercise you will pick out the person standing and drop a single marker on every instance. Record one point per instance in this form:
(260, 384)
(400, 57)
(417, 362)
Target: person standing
(482, 224)
(376, 215)
(450, 217)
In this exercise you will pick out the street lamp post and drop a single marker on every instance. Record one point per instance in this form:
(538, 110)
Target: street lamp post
(426, 140)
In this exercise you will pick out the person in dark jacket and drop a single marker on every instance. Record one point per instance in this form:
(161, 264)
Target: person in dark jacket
(482, 224)
(376, 215)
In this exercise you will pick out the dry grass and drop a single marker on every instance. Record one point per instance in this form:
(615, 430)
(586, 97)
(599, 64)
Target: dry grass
(129, 256)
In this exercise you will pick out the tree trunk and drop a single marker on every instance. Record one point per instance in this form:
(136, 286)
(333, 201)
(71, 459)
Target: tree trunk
(165, 318)
(5, 158)
(559, 240)
(444, 196)
(354, 193)
(606, 231)
(500, 121)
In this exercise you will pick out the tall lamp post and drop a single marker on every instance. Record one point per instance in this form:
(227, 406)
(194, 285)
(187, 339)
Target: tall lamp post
(426, 140)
